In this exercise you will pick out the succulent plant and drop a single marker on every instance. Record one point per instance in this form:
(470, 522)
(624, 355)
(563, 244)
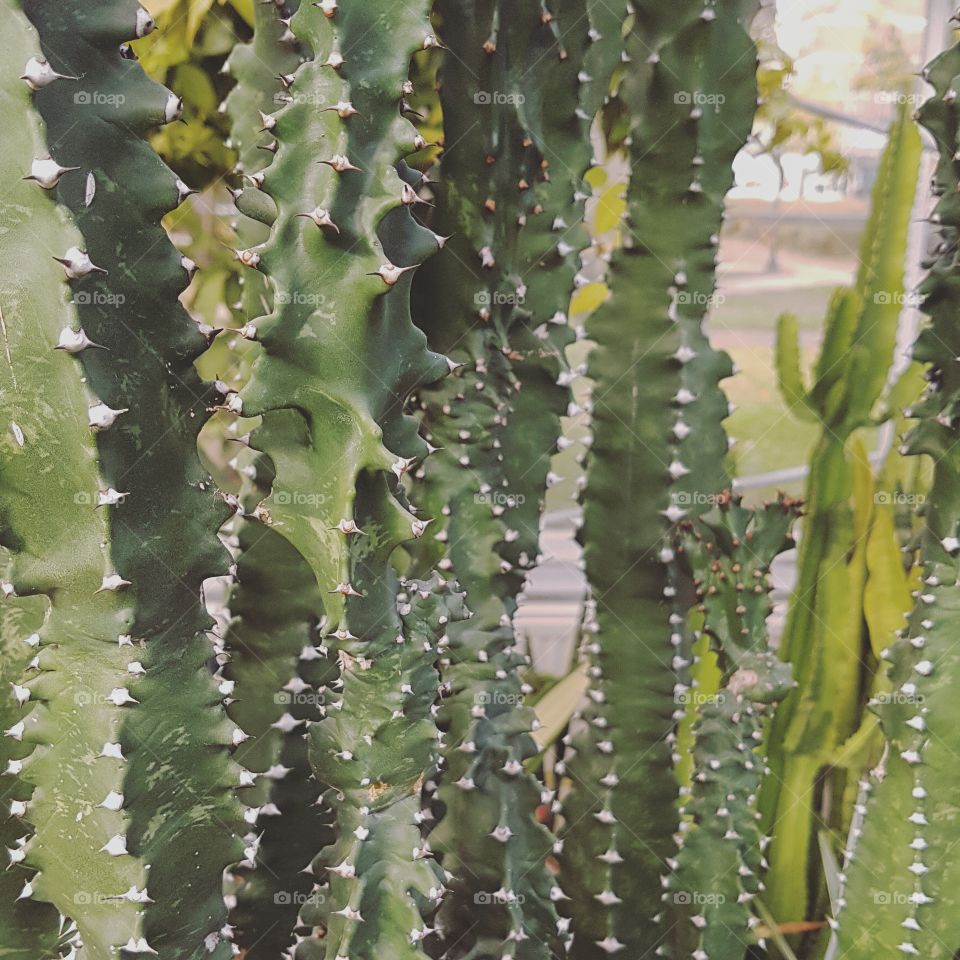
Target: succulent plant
(340, 255)
(657, 456)
(126, 724)
(505, 286)
(897, 897)
(716, 872)
(823, 638)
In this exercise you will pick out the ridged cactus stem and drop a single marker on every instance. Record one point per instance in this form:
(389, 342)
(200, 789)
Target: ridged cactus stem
(823, 638)
(339, 357)
(716, 872)
(900, 877)
(510, 87)
(132, 740)
(277, 668)
(658, 456)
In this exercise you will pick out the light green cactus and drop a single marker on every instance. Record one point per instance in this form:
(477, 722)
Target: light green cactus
(514, 128)
(131, 742)
(716, 873)
(823, 638)
(658, 455)
(898, 897)
(339, 356)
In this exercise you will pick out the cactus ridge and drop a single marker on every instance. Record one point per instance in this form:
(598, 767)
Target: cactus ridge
(899, 877)
(690, 92)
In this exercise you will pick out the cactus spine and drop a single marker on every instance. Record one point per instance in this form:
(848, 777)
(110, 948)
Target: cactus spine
(658, 449)
(339, 357)
(127, 727)
(898, 898)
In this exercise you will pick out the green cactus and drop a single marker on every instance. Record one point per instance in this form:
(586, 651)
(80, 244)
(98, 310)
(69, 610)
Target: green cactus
(824, 635)
(131, 741)
(658, 450)
(501, 312)
(276, 669)
(716, 873)
(900, 879)
(339, 357)
(277, 674)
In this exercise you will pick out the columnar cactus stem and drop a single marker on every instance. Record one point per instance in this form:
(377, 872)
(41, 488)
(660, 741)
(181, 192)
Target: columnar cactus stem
(509, 87)
(899, 897)
(823, 639)
(277, 674)
(657, 455)
(340, 355)
(132, 742)
(716, 872)
(278, 670)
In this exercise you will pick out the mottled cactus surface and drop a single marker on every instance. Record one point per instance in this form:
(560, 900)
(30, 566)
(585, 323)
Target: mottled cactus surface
(657, 456)
(901, 877)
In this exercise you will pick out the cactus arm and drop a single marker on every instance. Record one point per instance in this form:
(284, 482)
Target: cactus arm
(49, 482)
(650, 356)
(716, 873)
(178, 777)
(337, 362)
(899, 897)
(278, 672)
(789, 376)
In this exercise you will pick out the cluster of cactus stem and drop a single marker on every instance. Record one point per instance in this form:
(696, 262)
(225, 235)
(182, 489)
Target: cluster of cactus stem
(898, 881)
(332, 762)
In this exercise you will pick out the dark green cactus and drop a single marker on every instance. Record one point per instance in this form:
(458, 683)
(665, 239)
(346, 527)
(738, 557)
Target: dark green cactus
(899, 895)
(823, 638)
(339, 357)
(131, 741)
(658, 455)
(510, 89)
(277, 670)
(278, 674)
(716, 873)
